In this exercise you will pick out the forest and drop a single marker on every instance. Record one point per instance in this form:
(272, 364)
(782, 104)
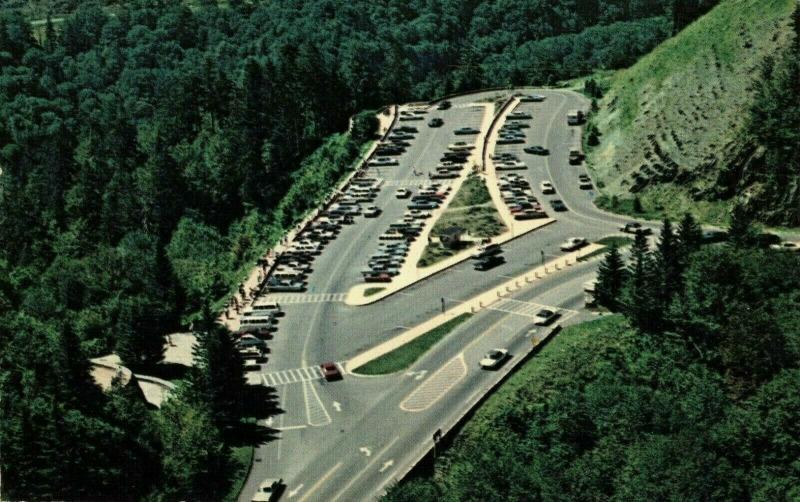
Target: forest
(689, 392)
(151, 150)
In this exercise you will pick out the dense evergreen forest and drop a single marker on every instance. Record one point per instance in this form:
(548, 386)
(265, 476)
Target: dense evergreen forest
(689, 394)
(149, 152)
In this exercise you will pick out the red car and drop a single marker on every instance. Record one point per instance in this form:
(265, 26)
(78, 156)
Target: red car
(330, 371)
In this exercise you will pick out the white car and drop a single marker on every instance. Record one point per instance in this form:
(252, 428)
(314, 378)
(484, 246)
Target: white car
(573, 243)
(493, 359)
(268, 490)
(546, 187)
(544, 317)
(402, 193)
(786, 246)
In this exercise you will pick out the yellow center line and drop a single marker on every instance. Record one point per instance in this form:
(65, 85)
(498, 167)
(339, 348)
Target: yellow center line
(365, 469)
(320, 481)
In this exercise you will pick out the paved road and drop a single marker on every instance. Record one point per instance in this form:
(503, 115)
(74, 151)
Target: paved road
(347, 440)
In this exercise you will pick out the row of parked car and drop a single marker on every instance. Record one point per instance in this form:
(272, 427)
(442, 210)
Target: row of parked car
(511, 131)
(394, 244)
(518, 196)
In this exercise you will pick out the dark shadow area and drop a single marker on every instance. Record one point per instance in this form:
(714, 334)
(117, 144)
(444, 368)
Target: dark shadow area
(165, 371)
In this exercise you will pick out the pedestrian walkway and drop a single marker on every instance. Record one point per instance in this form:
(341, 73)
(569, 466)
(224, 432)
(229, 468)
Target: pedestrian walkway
(525, 309)
(297, 375)
(415, 182)
(304, 297)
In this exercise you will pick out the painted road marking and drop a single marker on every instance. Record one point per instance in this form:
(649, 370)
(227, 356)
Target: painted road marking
(415, 182)
(296, 375)
(527, 309)
(366, 451)
(418, 375)
(316, 414)
(435, 387)
(369, 466)
(320, 481)
(386, 465)
(288, 298)
(294, 492)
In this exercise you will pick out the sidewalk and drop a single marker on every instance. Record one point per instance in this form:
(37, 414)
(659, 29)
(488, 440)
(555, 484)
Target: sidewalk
(472, 305)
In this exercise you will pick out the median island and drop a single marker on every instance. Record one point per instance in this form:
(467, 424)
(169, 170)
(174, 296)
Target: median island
(405, 355)
(469, 218)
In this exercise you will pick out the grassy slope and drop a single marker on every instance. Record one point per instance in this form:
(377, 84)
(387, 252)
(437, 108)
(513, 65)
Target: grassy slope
(680, 110)
(569, 355)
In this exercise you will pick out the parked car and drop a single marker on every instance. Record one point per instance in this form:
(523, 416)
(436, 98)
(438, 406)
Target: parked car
(444, 105)
(575, 156)
(635, 228)
(423, 205)
(269, 490)
(435, 122)
(544, 317)
(466, 130)
(377, 277)
(402, 193)
(786, 246)
(547, 188)
(330, 371)
(531, 98)
(372, 212)
(487, 262)
(536, 150)
(493, 359)
(573, 243)
(558, 205)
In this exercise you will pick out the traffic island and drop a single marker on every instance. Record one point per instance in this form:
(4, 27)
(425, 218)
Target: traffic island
(471, 306)
(470, 218)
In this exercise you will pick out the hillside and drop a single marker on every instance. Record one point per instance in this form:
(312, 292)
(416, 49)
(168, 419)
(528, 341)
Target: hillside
(674, 124)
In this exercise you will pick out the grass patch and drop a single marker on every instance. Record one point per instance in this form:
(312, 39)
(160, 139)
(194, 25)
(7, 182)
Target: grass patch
(434, 253)
(472, 210)
(372, 291)
(473, 192)
(627, 206)
(242, 457)
(403, 357)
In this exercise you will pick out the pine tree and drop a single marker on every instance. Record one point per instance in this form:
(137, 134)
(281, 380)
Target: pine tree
(218, 380)
(640, 297)
(689, 235)
(610, 279)
(740, 230)
(668, 265)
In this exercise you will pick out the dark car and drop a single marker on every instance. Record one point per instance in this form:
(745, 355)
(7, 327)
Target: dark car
(330, 371)
(537, 150)
(488, 262)
(636, 228)
(436, 122)
(444, 105)
(558, 205)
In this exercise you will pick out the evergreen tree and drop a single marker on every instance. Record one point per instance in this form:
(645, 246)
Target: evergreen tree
(218, 380)
(690, 235)
(740, 231)
(610, 279)
(640, 297)
(668, 264)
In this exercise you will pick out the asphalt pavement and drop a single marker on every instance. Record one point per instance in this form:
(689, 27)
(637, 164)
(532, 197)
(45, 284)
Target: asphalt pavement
(348, 440)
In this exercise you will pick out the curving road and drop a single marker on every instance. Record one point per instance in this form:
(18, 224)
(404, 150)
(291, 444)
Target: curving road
(349, 440)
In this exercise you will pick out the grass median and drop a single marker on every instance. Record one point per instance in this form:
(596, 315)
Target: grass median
(404, 356)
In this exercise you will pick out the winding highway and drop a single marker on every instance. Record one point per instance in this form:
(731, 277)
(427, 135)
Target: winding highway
(349, 440)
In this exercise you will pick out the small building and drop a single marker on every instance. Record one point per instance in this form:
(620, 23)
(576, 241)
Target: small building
(451, 237)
